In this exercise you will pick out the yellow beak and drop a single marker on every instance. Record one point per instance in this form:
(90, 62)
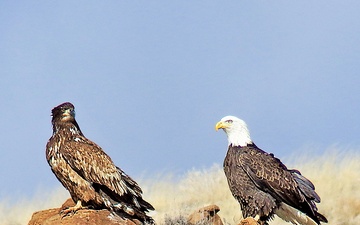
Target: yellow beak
(220, 125)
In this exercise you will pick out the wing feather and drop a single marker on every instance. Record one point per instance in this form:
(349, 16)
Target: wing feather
(306, 186)
(95, 166)
(270, 175)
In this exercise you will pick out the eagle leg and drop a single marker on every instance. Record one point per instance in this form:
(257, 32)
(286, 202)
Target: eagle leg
(73, 209)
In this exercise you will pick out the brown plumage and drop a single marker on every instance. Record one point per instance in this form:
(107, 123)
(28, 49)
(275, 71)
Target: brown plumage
(88, 173)
(262, 184)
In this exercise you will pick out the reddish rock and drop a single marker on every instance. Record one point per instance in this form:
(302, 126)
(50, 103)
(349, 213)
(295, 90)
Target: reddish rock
(81, 217)
(248, 221)
(206, 215)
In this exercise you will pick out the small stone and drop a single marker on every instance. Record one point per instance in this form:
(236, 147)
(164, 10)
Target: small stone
(206, 215)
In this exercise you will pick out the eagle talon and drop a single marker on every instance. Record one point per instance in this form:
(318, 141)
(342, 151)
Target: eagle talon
(72, 210)
(66, 212)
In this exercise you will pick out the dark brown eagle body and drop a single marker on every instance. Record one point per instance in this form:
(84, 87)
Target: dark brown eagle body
(88, 173)
(260, 183)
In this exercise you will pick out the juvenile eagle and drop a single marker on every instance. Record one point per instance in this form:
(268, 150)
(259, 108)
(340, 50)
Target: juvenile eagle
(262, 184)
(88, 173)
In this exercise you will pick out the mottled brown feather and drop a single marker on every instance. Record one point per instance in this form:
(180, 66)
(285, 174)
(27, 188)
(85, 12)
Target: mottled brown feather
(87, 172)
(260, 182)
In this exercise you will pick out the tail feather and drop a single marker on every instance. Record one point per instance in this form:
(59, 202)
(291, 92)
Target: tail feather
(295, 216)
(311, 197)
(128, 206)
(307, 212)
(133, 213)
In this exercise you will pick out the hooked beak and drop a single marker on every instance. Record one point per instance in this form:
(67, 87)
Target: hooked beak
(220, 125)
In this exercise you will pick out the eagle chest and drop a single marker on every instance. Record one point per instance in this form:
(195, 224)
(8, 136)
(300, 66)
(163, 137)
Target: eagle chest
(236, 176)
(55, 157)
(52, 151)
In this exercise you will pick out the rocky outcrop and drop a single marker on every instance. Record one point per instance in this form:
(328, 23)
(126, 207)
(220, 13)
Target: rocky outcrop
(82, 217)
(206, 215)
(203, 216)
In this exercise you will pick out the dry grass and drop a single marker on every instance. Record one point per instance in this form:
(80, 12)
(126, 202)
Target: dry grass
(336, 176)
(19, 213)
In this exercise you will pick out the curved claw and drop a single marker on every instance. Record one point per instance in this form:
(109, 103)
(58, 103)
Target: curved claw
(71, 210)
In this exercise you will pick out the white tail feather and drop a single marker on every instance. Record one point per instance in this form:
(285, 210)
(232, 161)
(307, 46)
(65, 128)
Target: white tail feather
(125, 208)
(290, 214)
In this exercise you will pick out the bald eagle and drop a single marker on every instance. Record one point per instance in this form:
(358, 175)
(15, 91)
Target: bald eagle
(88, 173)
(262, 184)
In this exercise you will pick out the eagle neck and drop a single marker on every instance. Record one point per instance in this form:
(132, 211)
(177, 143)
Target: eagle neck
(67, 126)
(239, 138)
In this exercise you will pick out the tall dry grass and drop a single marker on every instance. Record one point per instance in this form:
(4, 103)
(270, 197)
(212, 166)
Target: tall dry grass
(335, 174)
(19, 213)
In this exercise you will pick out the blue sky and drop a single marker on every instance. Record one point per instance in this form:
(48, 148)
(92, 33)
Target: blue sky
(149, 80)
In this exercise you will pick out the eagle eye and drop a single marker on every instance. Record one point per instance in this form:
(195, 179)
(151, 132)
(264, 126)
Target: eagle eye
(229, 121)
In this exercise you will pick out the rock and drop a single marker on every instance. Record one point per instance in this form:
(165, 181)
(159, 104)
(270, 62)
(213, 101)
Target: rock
(81, 217)
(206, 215)
(248, 221)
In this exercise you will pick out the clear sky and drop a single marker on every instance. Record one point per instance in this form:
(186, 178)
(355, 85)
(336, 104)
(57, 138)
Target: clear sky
(149, 80)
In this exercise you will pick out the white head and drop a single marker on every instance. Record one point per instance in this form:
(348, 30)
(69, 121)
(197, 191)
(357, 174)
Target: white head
(236, 131)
